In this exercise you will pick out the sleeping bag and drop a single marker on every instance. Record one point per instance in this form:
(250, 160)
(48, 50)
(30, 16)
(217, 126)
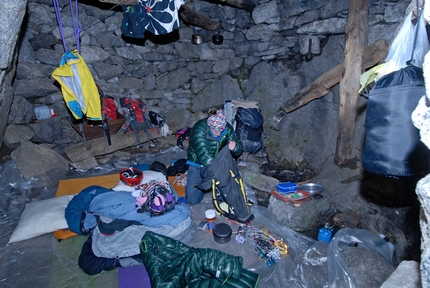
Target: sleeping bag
(171, 263)
(392, 146)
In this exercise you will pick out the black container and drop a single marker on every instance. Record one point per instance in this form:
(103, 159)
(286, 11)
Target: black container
(217, 39)
(222, 233)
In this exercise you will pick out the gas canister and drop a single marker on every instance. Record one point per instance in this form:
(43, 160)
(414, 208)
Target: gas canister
(325, 233)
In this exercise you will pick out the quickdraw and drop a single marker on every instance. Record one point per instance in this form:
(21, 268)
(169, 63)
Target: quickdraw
(264, 244)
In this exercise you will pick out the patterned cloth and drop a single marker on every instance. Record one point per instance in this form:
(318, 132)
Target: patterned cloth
(156, 16)
(218, 121)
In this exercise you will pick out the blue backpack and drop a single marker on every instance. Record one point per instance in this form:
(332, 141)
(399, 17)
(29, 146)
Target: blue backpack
(249, 129)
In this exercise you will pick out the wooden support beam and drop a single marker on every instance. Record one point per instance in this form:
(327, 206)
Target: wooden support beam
(189, 15)
(356, 39)
(373, 54)
(241, 4)
(99, 146)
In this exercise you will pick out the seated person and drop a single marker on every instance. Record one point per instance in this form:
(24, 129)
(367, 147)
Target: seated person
(208, 137)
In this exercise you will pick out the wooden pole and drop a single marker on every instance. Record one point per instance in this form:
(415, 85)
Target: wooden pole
(189, 15)
(356, 40)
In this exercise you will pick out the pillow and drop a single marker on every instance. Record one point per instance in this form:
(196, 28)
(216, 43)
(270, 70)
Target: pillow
(148, 175)
(41, 217)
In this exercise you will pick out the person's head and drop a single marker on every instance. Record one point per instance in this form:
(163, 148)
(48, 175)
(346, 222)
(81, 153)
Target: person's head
(217, 123)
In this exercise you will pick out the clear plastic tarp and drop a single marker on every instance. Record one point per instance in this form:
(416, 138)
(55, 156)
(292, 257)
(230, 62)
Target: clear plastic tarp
(44, 261)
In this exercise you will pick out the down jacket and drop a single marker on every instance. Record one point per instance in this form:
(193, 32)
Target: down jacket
(203, 147)
(172, 264)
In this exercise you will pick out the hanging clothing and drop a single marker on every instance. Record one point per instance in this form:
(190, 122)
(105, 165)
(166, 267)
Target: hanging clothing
(156, 16)
(78, 87)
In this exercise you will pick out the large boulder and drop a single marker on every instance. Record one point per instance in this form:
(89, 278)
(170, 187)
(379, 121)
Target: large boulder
(35, 160)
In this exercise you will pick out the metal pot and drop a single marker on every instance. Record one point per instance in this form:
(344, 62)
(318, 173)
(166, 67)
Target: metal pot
(217, 39)
(312, 188)
(196, 39)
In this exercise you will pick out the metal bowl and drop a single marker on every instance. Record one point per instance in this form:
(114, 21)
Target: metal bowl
(312, 188)
(197, 39)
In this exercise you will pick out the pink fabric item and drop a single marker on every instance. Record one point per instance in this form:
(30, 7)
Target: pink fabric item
(141, 200)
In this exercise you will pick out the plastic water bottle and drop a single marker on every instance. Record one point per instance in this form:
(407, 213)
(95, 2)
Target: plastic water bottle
(42, 112)
(325, 233)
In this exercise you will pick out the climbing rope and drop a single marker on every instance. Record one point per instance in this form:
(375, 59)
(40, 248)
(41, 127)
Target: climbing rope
(75, 22)
(77, 29)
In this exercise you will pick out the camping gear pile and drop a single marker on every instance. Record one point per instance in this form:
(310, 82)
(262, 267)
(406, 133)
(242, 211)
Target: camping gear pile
(116, 219)
(57, 260)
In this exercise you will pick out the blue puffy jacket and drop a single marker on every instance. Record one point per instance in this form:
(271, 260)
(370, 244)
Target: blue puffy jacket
(77, 209)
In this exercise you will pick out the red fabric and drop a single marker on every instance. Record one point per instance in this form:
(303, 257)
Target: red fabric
(109, 109)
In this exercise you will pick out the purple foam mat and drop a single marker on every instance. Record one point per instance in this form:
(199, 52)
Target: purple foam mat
(133, 277)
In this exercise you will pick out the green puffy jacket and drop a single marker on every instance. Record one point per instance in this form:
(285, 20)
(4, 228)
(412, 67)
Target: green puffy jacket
(172, 264)
(203, 147)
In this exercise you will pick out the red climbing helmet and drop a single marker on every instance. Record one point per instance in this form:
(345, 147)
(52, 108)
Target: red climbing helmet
(131, 176)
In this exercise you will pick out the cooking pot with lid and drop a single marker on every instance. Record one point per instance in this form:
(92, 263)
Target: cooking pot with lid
(197, 39)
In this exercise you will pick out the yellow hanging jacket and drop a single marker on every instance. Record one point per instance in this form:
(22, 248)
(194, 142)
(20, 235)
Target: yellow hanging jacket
(78, 87)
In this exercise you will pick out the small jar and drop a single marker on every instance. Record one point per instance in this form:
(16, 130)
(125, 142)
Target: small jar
(210, 219)
(42, 112)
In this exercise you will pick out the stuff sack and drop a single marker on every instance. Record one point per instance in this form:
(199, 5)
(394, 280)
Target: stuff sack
(179, 166)
(182, 135)
(131, 25)
(229, 197)
(156, 119)
(156, 198)
(249, 129)
(392, 146)
(109, 108)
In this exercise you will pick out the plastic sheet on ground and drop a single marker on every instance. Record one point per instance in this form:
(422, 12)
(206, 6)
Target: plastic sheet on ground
(44, 261)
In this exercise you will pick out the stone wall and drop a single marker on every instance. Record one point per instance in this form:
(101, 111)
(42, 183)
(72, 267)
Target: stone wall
(265, 56)
(10, 23)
